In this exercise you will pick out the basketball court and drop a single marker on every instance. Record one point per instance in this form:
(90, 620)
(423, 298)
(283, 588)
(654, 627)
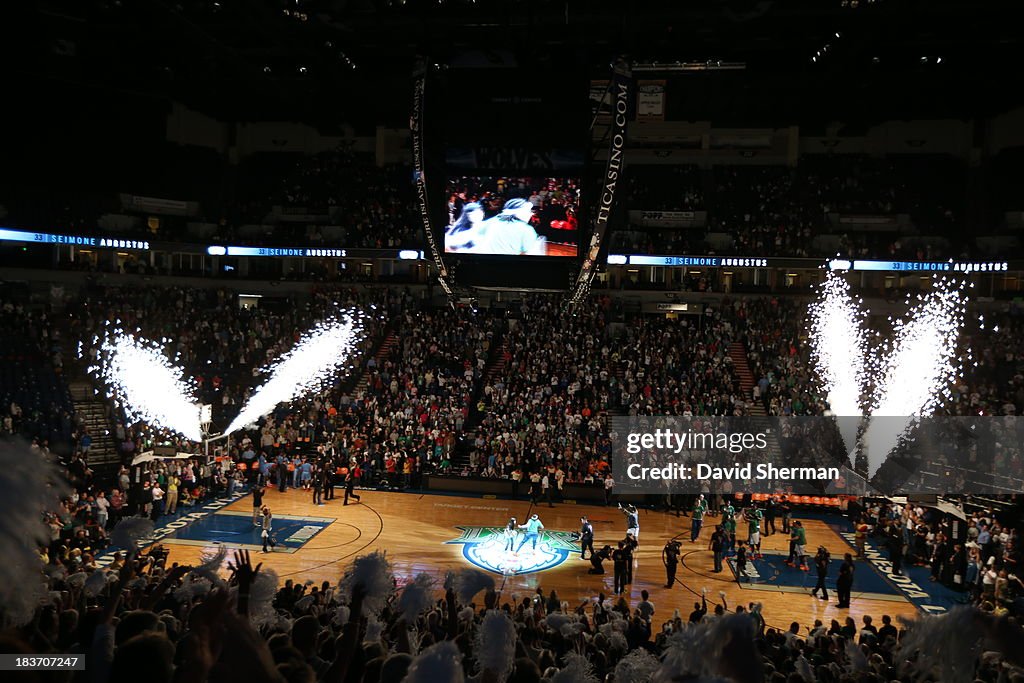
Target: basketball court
(436, 533)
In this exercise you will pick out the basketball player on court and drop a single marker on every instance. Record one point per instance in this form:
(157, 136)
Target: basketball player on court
(754, 517)
(632, 520)
(267, 529)
(257, 504)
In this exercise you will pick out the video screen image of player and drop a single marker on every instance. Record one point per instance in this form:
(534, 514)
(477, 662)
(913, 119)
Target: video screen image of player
(513, 216)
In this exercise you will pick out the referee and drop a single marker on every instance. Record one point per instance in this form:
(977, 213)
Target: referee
(586, 537)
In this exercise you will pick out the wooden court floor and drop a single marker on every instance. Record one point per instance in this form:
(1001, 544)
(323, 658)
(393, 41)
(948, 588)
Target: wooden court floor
(414, 530)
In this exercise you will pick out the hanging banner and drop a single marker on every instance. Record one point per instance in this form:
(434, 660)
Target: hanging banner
(416, 127)
(650, 101)
(621, 94)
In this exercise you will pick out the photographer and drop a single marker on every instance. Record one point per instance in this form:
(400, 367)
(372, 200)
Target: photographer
(821, 563)
(597, 560)
(670, 556)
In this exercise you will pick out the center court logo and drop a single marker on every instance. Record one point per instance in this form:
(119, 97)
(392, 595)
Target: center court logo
(484, 547)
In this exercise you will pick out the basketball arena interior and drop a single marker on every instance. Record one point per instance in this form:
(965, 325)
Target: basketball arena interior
(519, 341)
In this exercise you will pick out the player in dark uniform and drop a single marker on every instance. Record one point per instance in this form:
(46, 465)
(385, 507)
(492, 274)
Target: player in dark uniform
(318, 486)
(257, 504)
(330, 467)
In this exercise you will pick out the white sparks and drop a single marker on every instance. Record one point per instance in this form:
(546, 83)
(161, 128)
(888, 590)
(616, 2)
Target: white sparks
(147, 385)
(313, 362)
(838, 343)
(918, 372)
(912, 373)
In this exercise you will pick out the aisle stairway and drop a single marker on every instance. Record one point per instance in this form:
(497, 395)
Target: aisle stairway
(759, 419)
(91, 412)
(738, 354)
(383, 352)
(497, 361)
(497, 365)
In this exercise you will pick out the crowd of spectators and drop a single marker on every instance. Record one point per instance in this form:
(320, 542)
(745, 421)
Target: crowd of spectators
(983, 563)
(342, 198)
(780, 211)
(34, 398)
(523, 388)
(374, 206)
(184, 623)
(484, 392)
(759, 207)
(541, 386)
(664, 188)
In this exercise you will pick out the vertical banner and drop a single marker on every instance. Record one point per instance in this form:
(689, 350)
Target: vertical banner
(416, 127)
(650, 101)
(621, 94)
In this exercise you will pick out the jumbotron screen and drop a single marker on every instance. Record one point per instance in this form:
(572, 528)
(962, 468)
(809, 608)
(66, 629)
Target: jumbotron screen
(513, 216)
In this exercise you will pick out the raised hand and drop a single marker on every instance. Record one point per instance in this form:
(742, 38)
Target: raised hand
(242, 570)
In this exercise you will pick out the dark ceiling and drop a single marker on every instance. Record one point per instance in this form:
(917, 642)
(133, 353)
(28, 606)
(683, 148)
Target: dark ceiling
(328, 61)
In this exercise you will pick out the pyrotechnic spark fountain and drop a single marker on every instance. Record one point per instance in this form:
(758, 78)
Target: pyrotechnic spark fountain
(917, 372)
(314, 361)
(838, 344)
(147, 385)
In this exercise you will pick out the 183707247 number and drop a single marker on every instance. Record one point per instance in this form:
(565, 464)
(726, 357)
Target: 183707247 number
(38, 663)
